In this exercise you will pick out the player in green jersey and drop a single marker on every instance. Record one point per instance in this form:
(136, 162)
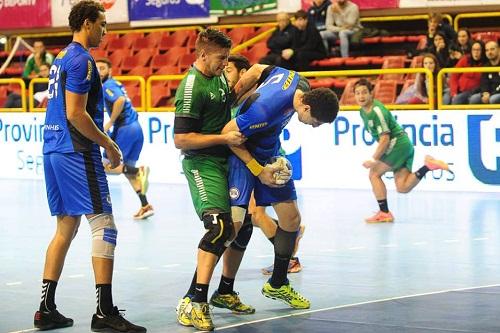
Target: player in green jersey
(394, 151)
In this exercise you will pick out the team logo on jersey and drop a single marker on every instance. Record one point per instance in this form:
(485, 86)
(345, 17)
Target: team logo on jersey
(234, 193)
(260, 125)
(212, 96)
(222, 95)
(288, 81)
(370, 123)
(109, 92)
(61, 54)
(89, 70)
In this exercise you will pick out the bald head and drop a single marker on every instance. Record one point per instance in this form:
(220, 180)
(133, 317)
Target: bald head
(283, 20)
(492, 51)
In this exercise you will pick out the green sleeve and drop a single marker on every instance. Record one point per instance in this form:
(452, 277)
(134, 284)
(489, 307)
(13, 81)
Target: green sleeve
(29, 66)
(382, 119)
(189, 98)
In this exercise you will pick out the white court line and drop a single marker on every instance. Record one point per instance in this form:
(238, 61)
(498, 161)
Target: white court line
(171, 265)
(420, 243)
(17, 283)
(356, 248)
(23, 331)
(265, 256)
(451, 241)
(480, 239)
(348, 305)
(144, 268)
(389, 245)
(76, 276)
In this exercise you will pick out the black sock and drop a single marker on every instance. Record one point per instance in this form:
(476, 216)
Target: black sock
(271, 240)
(200, 293)
(383, 205)
(130, 170)
(104, 299)
(142, 197)
(226, 285)
(48, 295)
(420, 173)
(191, 290)
(284, 244)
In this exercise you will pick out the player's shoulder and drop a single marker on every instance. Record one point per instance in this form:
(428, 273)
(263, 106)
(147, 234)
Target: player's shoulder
(75, 56)
(111, 83)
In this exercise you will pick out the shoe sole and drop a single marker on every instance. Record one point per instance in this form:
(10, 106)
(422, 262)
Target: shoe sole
(221, 306)
(144, 216)
(51, 326)
(380, 221)
(145, 181)
(282, 300)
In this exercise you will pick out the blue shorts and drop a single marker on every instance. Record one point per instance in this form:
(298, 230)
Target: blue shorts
(129, 139)
(242, 183)
(76, 184)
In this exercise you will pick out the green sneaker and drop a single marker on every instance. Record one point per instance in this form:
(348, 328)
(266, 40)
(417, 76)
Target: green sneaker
(286, 294)
(199, 313)
(182, 315)
(232, 302)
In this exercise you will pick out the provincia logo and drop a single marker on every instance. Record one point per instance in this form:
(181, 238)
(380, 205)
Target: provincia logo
(16, 3)
(484, 147)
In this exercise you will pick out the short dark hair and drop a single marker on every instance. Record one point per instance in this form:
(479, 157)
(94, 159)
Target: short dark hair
(212, 37)
(105, 61)
(324, 104)
(85, 9)
(363, 82)
(239, 61)
(300, 14)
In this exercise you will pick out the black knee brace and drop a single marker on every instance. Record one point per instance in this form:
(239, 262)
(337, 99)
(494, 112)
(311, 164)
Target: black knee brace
(284, 243)
(220, 229)
(243, 238)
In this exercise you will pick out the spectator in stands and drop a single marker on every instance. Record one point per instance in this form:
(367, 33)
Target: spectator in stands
(435, 25)
(490, 82)
(39, 56)
(464, 85)
(418, 92)
(280, 40)
(342, 21)
(307, 45)
(317, 13)
(40, 91)
(441, 51)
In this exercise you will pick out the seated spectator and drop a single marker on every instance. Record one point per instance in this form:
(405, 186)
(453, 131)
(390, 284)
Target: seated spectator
(342, 21)
(317, 13)
(441, 51)
(418, 92)
(490, 82)
(464, 85)
(280, 39)
(39, 56)
(435, 24)
(306, 45)
(463, 44)
(40, 90)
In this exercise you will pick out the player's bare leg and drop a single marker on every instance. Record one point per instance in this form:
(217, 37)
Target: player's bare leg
(380, 192)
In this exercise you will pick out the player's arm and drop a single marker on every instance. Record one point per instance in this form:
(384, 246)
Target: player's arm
(249, 79)
(383, 144)
(115, 113)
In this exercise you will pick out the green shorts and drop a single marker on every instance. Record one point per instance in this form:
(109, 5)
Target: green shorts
(207, 179)
(400, 153)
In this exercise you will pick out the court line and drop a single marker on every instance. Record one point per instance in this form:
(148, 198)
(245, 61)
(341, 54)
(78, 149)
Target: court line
(348, 305)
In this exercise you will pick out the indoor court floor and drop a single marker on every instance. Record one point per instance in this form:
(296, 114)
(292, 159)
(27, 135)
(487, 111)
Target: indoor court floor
(435, 269)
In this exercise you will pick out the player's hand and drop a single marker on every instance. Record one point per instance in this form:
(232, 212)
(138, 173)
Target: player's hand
(114, 154)
(287, 54)
(369, 163)
(267, 178)
(107, 126)
(234, 138)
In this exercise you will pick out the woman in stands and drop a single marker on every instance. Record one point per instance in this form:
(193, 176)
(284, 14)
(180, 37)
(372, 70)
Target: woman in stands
(461, 46)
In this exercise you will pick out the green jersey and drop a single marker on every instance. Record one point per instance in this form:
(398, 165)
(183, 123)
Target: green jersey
(208, 100)
(380, 121)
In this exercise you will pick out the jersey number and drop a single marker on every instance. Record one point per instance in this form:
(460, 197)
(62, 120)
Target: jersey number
(273, 79)
(54, 80)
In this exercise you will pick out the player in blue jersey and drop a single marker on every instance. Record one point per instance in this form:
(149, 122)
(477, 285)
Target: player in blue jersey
(280, 94)
(74, 175)
(127, 133)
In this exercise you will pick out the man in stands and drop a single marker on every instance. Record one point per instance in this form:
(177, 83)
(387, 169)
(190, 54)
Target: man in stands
(36, 59)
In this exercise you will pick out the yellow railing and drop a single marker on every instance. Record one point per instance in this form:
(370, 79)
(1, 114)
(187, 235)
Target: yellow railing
(142, 84)
(31, 99)
(369, 72)
(23, 95)
(444, 71)
(153, 78)
(253, 40)
(473, 15)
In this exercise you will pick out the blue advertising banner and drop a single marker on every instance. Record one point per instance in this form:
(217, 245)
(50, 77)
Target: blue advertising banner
(167, 9)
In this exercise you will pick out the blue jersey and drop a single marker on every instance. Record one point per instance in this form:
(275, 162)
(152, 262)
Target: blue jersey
(264, 114)
(73, 70)
(112, 91)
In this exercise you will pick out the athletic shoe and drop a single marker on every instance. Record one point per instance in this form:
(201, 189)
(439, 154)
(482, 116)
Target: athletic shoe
(143, 176)
(50, 320)
(199, 313)
(232, 302)
(286, 294)
(294, 266)
(144, 212)
(434, 164)
(380, 217)
(182, 315)
(114, 322)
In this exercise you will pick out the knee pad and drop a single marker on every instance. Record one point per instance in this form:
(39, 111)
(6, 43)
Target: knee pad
(104, 234)
(284, 243)
(219, 230)
(243, 238)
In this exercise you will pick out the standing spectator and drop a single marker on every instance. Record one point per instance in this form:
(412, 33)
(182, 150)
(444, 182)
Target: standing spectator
(342, 21)
(464, 85)
(280, 39)
(317, 13)
(490, 82)
(39, 56)
(307, 44)
(435, 25)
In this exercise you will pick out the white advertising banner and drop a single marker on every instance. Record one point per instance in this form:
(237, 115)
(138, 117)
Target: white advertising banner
(116, 11)
(445, 3)
(326, 157)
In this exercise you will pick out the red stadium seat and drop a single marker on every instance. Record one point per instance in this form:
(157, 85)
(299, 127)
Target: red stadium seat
(385, 91)
(118, 56)
(160, 95)
(98, 53)
(144, 43)
(171, 58)
(393, 62)
(186, 61)
(145, 72)
(348, 94)
(323, 82)
(240, 34)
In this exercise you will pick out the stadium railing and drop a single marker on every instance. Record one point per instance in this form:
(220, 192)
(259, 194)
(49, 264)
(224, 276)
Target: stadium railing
(459, 17)
(23, 94)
